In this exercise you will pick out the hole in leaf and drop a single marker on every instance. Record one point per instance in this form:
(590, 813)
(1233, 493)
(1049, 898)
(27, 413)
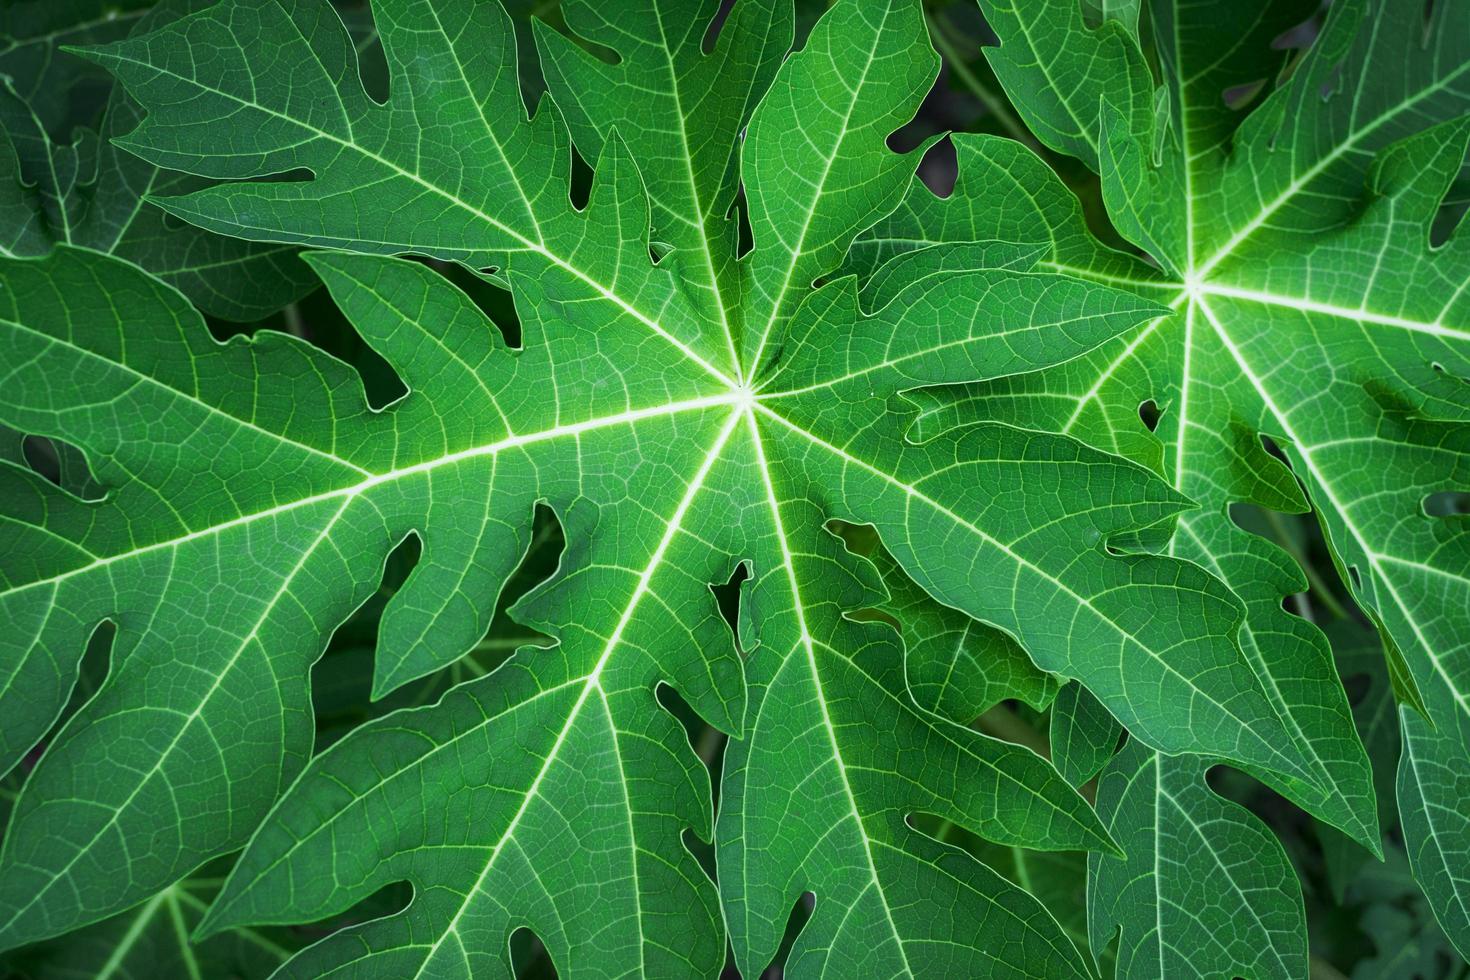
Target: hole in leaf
(1017, 723)
(1357, 578)
(372, 61)
(727, 599)
(341, 680)
(95, 665)
(874, 615)
(43, 456)
(716, 24)
(400, 563)
(1148, 413)
(580, 187)
(1447, 503)
(741, 210)
(296, 175)
(860, 539)
(1449, 216)
(1295, 604)
(1274, 450)
(316, 319)
(528, 955)
(492, 300)
(673, 702)
(944, 831)
(341, 690)
(708, 743)
(703, 851)
(61, 463)
(940, 168)
(801, 914)
(548, 541)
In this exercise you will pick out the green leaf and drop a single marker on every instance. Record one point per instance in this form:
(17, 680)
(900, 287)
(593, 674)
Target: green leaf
(684, 411)
(65, 184)
(360, 481)
(1083, 735)
(1295, 245)
(1312, 307)
(1097, 397)
(680, 108)
(559, 778)
(957, 667)
(153, 940)
(1004, 191)
(1205, 889)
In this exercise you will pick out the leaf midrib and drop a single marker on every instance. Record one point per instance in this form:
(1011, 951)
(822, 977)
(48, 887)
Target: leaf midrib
(532, 246)
(1372, 555)
(190, 397)
(687, 157)
(375, 480)
(1020, 560)
(806, 641)
(778, 302)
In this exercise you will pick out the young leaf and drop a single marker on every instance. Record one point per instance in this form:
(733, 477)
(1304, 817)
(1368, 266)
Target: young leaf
(1083, 735)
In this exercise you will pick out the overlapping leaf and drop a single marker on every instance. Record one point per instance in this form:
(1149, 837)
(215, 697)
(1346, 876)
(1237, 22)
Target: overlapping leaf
(1294, 242)
(1205, 890)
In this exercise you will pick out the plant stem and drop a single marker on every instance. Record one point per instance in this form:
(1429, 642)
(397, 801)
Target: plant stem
(710, 741)
(1315, 582)
(294, 325)
(939, 27)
